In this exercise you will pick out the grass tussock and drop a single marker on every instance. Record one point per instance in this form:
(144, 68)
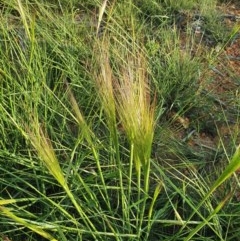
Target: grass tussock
(112, 124)
(126, 99)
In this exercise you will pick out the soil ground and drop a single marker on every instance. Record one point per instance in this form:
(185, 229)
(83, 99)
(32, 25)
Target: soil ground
(224, 88)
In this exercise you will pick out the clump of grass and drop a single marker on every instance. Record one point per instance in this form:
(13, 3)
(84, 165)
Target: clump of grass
(125, 95)
(175, 71)
(83, 119)
(136, 112)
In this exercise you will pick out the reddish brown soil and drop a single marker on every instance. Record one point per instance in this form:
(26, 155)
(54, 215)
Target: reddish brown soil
(224, 86)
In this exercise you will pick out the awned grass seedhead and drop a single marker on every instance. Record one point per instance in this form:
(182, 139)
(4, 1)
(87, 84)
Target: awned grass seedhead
(125, 95)
(43, 146)
(45, 151)
(104, 85)
(124, 92)
(134, 108)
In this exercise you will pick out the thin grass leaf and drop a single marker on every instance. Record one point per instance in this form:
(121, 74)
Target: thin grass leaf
(100, 16)
(10, 201)
(6, 212)
(23, 15)
(154, 199)
(211, 216)
(233, 166)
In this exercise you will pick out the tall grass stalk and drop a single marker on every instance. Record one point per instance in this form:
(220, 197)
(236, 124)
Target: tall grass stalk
(125, 95)
(104, 79)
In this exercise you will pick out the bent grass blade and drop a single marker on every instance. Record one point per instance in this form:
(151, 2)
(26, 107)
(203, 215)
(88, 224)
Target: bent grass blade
(233, 166)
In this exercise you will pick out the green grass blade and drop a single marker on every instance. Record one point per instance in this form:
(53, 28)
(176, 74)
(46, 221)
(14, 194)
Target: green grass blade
(5, 211)
(233, 166)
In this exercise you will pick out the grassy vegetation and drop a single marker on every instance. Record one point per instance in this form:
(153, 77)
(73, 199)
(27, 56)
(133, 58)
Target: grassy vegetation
(100, 104)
